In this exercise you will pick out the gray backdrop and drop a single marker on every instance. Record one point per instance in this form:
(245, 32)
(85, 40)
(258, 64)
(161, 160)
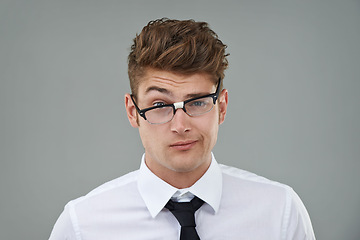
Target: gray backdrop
(293, 116)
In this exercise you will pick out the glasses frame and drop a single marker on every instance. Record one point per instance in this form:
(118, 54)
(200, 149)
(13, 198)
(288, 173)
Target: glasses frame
(178, 105)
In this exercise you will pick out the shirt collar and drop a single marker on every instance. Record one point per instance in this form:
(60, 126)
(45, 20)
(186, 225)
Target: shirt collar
(156, 192)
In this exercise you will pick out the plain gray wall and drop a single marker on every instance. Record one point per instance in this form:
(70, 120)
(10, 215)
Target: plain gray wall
(294, 114)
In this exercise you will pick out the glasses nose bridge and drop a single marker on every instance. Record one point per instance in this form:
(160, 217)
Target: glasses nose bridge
(179, 105)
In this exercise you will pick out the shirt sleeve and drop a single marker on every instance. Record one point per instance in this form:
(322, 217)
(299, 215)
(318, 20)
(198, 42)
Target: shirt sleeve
(297, 223)
(64, 227)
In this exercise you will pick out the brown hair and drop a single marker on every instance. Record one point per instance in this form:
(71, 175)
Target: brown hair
(184, 47)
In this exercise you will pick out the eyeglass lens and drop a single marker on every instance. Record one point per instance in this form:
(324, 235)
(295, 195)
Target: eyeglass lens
(192, 108)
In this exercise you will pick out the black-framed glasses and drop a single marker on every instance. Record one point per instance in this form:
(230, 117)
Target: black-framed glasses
(164, 113)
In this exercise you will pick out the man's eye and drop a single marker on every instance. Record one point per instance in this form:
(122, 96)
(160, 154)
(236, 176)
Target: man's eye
(156, 104)
(198, 104)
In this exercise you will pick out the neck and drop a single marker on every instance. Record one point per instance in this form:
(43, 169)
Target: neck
(179, 179)
(182, 180)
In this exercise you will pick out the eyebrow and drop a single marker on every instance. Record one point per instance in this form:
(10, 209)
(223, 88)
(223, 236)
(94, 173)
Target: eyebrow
(158, 89)
(194, 95)
(167, 92)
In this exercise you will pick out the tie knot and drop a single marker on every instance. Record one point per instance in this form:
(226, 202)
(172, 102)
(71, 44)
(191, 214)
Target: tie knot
(184, 211)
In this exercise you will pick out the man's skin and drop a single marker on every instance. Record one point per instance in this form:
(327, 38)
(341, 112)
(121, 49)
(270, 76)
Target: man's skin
(179, 151)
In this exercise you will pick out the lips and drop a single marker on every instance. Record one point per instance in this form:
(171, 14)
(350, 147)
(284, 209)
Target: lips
(183, 145)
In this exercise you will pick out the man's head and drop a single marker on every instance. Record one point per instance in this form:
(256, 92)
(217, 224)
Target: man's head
(184, 47)
(174, 70)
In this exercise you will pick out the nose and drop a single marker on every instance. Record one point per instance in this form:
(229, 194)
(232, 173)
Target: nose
(180, 122)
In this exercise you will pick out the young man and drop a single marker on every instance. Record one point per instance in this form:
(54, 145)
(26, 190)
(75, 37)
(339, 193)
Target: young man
(176, 69)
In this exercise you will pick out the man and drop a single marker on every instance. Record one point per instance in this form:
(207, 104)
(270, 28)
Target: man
(176, 71)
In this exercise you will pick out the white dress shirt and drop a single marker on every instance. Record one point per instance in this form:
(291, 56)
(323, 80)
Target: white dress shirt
(238, 205)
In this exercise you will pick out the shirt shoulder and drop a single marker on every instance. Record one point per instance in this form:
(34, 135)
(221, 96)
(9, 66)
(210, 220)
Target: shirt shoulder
(98, 209)
(271, 199)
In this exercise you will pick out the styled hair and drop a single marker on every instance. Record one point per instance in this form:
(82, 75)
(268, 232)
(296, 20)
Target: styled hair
(179, 46)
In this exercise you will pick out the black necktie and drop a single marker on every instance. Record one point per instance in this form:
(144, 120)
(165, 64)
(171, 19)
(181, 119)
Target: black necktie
(184, 213)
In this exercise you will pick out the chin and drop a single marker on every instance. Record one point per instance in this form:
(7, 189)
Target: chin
(186, 165)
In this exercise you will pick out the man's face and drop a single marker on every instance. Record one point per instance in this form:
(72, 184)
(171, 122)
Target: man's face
(183, 144)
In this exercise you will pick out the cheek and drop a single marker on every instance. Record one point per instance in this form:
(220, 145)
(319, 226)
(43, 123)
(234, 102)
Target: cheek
(145, 136)
(150, 136)
(209, 127)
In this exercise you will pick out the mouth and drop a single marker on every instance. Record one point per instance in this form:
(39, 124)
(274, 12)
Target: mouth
(183, 145)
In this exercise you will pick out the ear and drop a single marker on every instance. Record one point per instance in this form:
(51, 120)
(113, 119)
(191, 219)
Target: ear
(223, 103)
(131, 111)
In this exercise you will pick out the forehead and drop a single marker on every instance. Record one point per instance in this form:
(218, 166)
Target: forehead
(164, 82)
